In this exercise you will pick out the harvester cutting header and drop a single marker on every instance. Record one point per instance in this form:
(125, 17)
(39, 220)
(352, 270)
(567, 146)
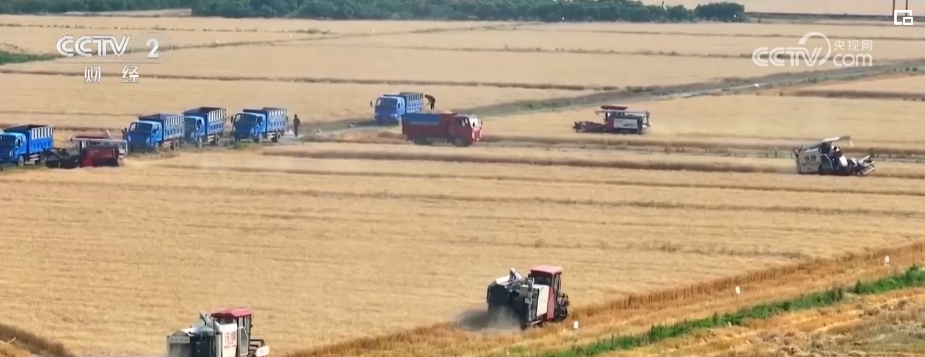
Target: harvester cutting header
(826, 158)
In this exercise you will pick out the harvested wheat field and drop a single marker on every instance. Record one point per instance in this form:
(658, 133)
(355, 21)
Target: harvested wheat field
(310, 282)
(199, 24)
(854, 30)
(429, 67)
(861, 7)
(314, 102)
(757, 120)
(624, 43)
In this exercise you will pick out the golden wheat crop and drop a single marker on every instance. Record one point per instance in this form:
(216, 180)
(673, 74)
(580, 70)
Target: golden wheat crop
(854, 29)
(713, 45)
(234, 25)
(383, 64)
(43, 40)
(866, 7)
(113, 104)
(746, 118)
(301, 247)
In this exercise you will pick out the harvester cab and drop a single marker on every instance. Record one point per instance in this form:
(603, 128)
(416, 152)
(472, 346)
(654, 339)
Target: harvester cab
(223, 333)
(530, 301)
(617, 119)
(827, 158)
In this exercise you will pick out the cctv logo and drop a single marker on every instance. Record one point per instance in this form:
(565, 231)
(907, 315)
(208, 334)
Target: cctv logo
(763, 55)
(67, 46)
(902, 17)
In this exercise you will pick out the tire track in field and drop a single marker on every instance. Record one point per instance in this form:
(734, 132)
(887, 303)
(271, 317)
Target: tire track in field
(622, 182)
(386, 194)
(637, 312)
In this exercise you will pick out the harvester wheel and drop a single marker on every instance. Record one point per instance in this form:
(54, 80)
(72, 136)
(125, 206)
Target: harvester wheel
(458, 142)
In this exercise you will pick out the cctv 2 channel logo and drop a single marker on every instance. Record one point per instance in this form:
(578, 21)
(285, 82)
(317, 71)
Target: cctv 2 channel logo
(145, 48)
(902, 17)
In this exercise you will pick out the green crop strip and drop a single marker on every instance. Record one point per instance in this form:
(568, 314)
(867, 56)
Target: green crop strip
(8, 57)
(913, 277)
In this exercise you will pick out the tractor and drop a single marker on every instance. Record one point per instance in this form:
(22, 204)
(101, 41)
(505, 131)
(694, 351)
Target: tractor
(530, 301)
(618, 120)
(223, 333)
(827, 159)
(91, 150)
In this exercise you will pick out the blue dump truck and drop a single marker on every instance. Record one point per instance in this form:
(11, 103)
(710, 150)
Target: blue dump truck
(25, 143)
(259, 124)
(204, 125)
(390, 107)
(152, 132)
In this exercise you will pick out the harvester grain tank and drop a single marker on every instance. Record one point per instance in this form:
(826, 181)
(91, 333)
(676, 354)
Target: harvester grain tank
(827, 159)
(390, 108)
(223, 333)
(259, 124)
(529, 301)
(25, 143)
(88, 150)
(204, 125)
(428, 128)
(155, 131)
(617, 120)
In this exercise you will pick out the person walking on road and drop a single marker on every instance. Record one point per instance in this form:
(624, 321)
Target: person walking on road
(295, 125)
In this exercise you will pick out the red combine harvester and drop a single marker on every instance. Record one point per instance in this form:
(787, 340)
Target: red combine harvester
(617, 120)
(223, 333)
(428, 128)
(92, 150)
(530, 301)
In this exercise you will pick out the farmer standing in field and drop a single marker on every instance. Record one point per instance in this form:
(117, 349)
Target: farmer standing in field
(295, 125)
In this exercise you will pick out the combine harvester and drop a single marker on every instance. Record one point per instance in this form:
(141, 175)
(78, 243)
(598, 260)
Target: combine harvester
(532, 301)
(429, 128)
(25, 143)
(617, 120)
(260, 124)
(154, 132)
(390, 108)
(827, 159)
(223, 333)
(204, 125)
(92, 150)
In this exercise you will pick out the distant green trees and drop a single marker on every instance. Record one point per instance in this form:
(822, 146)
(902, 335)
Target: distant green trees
(489, 10)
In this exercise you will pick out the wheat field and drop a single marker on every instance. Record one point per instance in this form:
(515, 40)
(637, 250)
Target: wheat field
(299, 244)
(862, 7)
(915, 84)
(314, 102)
(317, 237)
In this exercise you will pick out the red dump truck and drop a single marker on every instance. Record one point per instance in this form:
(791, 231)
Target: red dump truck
(428, 128)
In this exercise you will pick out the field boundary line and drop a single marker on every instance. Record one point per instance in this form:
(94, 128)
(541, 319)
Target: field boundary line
(675, 296)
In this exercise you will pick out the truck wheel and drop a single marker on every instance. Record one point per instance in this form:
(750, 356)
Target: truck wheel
(21, 161)
(275, 138)
(198, 142)
(257, 140)
(458, 142)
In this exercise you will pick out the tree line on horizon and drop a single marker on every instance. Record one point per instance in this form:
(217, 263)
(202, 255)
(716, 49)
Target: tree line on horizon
(476, 10)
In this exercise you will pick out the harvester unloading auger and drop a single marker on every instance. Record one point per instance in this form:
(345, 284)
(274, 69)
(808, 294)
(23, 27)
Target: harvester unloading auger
(825, 158)
(530, 301)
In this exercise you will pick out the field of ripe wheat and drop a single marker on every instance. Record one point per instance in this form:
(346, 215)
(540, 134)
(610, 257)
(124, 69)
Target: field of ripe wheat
(314, 102)
(862, 7)
(301, 240)
(761, 120)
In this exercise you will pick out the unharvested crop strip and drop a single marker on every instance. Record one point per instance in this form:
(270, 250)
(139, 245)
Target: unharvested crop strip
(621, 182)
(36, 344)
(717, 34)
(485, 159)
(444, 335)
(856, 94)
(386, 194)
(578, 51)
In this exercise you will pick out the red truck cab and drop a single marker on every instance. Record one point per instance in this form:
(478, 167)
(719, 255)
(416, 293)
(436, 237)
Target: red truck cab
(428, 128)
